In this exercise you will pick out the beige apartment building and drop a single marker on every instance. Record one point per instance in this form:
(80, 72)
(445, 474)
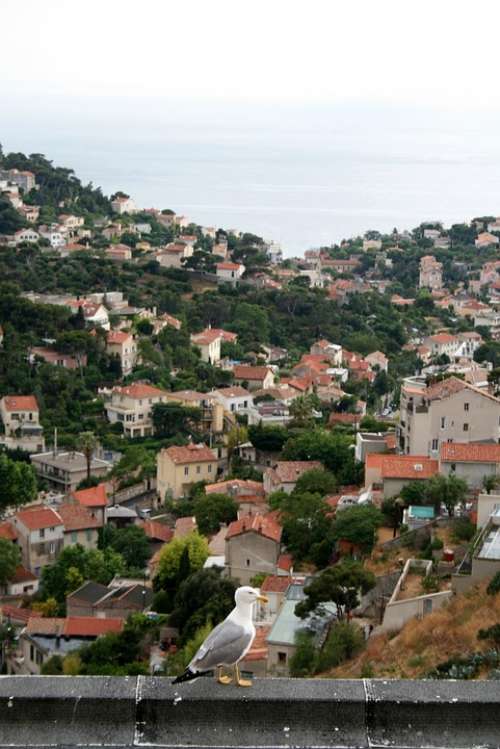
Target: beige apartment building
(448, 411)
(40, 532)
(179, 467)
(124, 346)
(431, 273)
(209, 342)
(22, 428)
(132, 405)
(253, 545)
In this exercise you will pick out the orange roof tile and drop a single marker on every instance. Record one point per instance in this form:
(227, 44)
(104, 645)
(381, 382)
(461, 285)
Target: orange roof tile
(20, 403)
(95, 496)
(117, 337)
(77, 517)
(243, 372)
(157, 531)
(195, 453)
(403, 466)
(38, 517)
(139, 390)
(470, 452)
(260, 524)
(8, 531)
(90, 626)
(275, 584)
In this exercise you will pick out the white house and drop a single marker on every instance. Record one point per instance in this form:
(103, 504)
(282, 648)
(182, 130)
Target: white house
(26, 235)
(229, 272)
(132, 406)
(234, 399)
(123, 205)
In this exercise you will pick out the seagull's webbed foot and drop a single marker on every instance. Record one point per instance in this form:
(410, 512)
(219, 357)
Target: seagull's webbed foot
(221, 679)
(241, 682)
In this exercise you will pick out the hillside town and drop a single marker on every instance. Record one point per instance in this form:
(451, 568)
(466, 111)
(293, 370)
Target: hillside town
(185, 409)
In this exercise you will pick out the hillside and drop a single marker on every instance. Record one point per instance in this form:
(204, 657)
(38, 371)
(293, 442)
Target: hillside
(422, 645)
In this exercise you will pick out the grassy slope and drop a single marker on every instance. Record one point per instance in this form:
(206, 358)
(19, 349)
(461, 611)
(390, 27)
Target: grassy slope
(422, 645)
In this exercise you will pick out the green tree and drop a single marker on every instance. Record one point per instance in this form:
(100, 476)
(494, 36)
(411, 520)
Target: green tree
(304, 660)
(302, 410)
(358, 525)
(170, 419)
(344, 641)
(211, 510)
(307, 527)
(340, 584)
(132, 543)
(87, 444)
(448, 490)
(268, 439)
(203, 597)
(18, 482)
(334, 451)
(10, 559)
(171, 554)
(316, 481)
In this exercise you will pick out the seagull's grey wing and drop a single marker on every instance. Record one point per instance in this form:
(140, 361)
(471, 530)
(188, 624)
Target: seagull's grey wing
(224, 646)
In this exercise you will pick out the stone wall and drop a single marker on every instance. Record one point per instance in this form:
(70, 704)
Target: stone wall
(142, 711)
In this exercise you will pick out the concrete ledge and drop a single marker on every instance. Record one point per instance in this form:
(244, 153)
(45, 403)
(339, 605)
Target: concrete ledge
(139, 711)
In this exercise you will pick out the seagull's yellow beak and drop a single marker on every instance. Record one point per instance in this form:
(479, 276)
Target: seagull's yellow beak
(263, 599)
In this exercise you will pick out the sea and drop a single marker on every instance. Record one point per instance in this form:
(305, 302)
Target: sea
(302, 175)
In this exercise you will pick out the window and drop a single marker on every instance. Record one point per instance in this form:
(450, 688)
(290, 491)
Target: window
(88, 534)
(443, 422)
(52, 548)
(466, 406)
(32, 653)
(74, 536)
(248, 562)
(281, 657)
(186, 470)
(466, 427)
(210, 468)
(42, 532)
(435, 444)
(198, 469)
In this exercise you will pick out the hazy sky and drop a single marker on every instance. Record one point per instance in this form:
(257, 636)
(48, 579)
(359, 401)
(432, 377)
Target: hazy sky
(437, 52)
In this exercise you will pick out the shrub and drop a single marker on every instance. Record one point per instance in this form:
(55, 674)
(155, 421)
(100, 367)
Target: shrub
(430, 584)
(492, 633)
(305, 659)
(437, 544)
(463, 529)
(344, 641)
(494, 585)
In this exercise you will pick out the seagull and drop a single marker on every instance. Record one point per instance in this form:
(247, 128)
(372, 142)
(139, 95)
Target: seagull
(228, 643)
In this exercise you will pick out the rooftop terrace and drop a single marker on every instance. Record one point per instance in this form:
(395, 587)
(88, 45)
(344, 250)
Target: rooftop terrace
(146, 711)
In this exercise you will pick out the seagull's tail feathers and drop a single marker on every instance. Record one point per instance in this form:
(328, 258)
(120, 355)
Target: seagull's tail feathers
(190, 675)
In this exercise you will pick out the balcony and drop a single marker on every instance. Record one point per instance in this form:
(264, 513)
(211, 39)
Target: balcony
(146, 711)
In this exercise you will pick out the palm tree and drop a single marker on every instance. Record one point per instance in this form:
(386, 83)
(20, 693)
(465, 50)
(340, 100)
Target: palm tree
(87, 443)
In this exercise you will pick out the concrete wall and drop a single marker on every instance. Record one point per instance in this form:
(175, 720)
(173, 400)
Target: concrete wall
(486, 503)
(250, 553)
(472, 473)
(399, 611)
(145, 711)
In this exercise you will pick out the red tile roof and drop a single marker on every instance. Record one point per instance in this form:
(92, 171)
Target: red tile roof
(259, 649)
(470, 452)
(285, 562)
(288, 471)
(91, 626)
(185, 526)
(139, 390)
(260, 524)
(38, 517)
(403, 466)
(14, 613)
(157, 531)
(77, 517)
(95, 496)
(20, 403)
(195, 453)
(205, 337)
(8, 531)
(117, 337)
(275, 584)
(22, 575)
(344, 418)
(243, 372)
(235, 486)
(228, 266)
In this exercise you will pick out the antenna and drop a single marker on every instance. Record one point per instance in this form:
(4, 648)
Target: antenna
(55, 442)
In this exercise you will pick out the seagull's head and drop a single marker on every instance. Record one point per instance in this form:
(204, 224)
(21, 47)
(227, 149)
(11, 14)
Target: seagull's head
(247, 594)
